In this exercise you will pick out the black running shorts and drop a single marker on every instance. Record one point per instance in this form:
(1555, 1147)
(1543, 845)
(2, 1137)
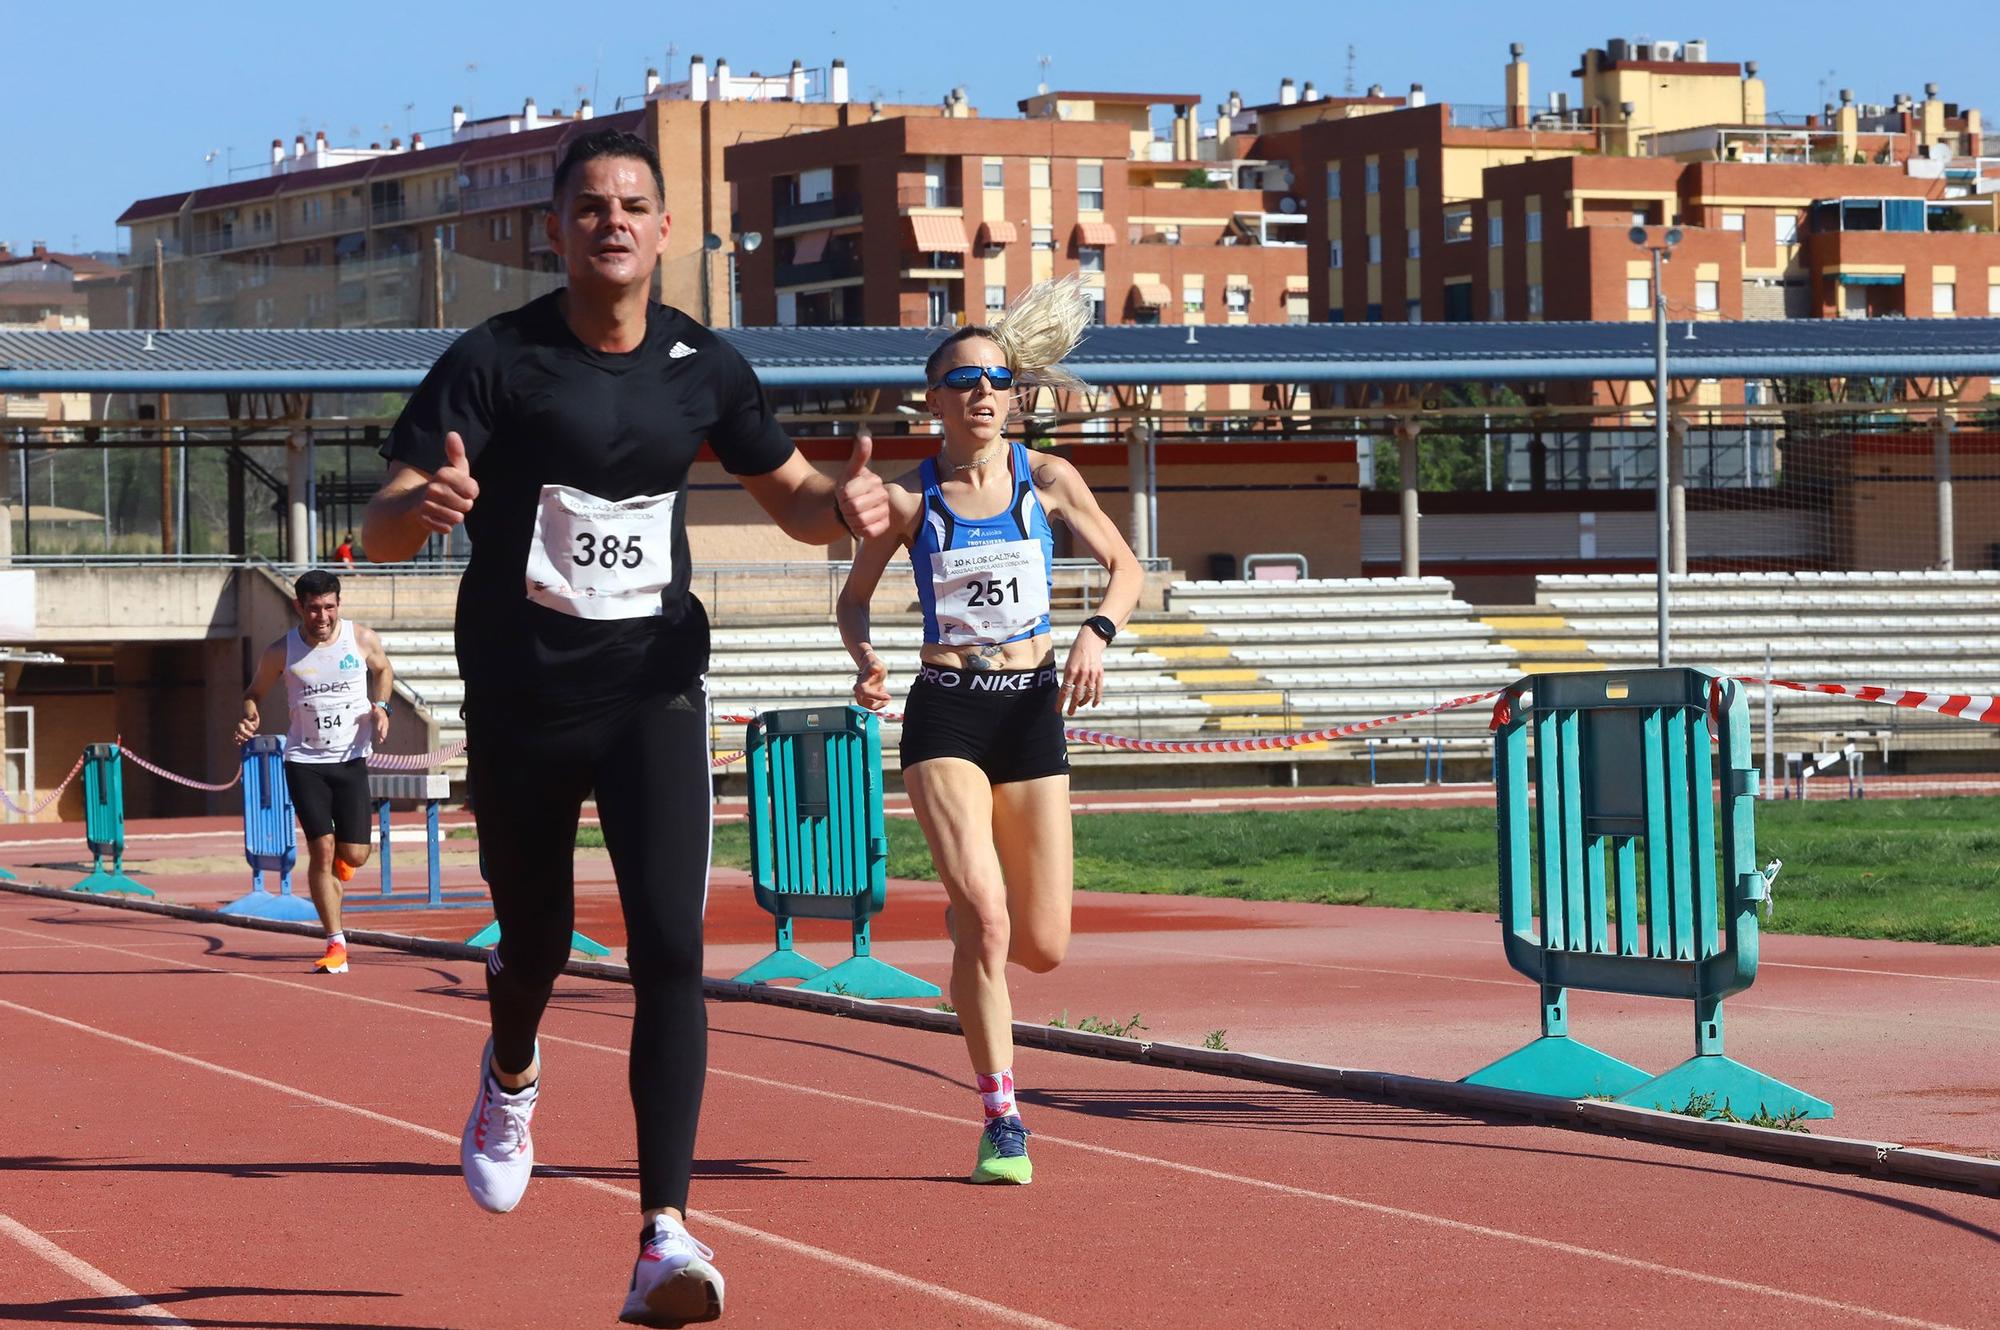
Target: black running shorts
(1008, 723)
(331, 799)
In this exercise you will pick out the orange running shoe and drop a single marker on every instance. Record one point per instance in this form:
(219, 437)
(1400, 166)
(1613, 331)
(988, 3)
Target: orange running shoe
(335, 960)
(342, 870)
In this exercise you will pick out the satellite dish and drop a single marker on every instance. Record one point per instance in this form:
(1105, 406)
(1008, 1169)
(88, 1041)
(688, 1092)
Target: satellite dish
(751, 241)
(1673, 235)
(1638, 235)
(1285, 178)
(1288, 204)
(711, 242)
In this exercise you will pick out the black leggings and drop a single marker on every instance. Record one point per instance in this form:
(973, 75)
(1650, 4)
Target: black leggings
(531, 766)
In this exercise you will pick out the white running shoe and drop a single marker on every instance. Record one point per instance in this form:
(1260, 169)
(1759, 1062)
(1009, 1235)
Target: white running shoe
(497, 1153)
(673, 1283)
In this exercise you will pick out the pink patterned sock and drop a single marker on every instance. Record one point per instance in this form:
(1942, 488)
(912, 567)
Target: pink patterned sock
(996, 1092)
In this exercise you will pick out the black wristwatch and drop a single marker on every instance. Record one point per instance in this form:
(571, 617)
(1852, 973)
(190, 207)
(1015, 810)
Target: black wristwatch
(1103, 627)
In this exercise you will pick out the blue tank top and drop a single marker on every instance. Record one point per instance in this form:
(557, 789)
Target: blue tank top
(984, 580)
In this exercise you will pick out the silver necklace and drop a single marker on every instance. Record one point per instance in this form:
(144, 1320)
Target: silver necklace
(967, 466)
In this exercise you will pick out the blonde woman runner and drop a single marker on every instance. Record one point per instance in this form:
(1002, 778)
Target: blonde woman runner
(983, 753)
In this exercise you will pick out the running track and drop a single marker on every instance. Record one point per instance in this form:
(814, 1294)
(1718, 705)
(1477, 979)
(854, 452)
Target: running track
(199, 1133)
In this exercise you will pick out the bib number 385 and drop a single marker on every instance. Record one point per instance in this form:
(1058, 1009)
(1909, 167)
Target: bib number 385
(601, 558)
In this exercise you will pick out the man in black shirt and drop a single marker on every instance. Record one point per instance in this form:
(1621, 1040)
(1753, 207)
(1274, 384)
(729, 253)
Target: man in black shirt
(560, 434)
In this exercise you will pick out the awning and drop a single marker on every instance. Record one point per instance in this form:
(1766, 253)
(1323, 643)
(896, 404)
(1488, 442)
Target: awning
(810, 247)
(1096, 233)
(1154, 294)
(1870, 278)
(997, 233)
(1298, 285)
(931, 235)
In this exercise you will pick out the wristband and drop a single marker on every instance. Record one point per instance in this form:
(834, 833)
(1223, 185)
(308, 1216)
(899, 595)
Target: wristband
(384, 706)
(1103, 627)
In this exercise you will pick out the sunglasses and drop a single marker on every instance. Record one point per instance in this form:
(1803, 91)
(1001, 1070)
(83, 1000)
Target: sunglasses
(967, 376)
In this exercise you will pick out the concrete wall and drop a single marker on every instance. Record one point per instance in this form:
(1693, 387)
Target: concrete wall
(135, 604)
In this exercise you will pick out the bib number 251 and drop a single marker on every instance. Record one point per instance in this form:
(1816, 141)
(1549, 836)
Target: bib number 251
(608, 552)
(993, 592)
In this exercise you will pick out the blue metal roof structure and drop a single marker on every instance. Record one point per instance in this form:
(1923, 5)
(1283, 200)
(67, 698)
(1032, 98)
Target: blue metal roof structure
(372, 360)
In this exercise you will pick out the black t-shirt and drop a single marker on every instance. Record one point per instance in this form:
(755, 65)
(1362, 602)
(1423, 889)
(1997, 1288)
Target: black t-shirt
(536, 407)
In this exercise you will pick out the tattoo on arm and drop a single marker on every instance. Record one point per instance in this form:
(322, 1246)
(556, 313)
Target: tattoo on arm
(1045, 476)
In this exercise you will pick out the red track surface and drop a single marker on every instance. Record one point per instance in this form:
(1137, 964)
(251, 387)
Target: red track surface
(193, 1118)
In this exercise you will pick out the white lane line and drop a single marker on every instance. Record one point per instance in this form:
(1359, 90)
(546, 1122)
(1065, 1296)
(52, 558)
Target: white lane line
(994, 1312)
(1216, 1175)
(119, 1298)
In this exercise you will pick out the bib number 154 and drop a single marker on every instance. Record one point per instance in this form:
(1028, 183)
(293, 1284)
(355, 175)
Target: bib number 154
(607, 552)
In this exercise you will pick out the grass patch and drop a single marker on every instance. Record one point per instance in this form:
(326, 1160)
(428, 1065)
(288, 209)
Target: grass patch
(1703, 1106)
(1918, 870)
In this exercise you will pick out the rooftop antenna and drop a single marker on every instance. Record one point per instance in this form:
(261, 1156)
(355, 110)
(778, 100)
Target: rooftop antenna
(1349, 86)
(208, 159)
(409, 117)
(673, 49)
(1044, 61)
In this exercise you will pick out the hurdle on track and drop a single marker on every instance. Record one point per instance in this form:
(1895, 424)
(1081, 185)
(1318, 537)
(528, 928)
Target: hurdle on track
(818, 843)
(1624, 771)
(430, 789)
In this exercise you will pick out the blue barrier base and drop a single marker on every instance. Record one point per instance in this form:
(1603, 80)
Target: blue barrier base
(784, 963)
(261, 904)
(490, 934)
(101, 883)
(1728, 1086)
(444, 900)
(6, 876)
(866, 977)
(1558, 1065)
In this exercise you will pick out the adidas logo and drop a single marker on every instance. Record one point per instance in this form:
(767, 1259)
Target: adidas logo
(680, 349)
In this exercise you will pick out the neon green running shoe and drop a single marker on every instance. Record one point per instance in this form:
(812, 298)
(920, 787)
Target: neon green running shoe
(1003, 1153)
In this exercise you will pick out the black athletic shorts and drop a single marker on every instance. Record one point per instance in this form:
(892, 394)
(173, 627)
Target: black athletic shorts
(1008, 723)
(331, 799)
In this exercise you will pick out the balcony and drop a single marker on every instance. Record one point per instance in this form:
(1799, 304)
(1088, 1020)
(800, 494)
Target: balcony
(834, 268)
(514, 194)
(229, 238)
(910, 197)
(820, 212)
(387, 211)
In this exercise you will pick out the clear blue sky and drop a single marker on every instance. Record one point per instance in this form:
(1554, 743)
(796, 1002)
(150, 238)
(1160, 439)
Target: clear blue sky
(118, 101)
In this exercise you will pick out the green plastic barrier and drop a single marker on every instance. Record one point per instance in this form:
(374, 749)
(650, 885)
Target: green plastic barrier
(1624, 809)
(104, 822)
(818, 847)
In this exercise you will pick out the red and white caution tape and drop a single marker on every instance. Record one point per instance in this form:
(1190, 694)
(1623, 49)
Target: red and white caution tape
(188, 781)
(1959, 706)
(46, 799)
(415, 761)
(1265, 743)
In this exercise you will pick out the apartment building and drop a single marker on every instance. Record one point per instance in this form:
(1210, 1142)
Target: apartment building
(47, 290)
(451, 232)
(1517, 213)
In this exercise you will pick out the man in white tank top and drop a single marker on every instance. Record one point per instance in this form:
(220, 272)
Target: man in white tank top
(337, 686)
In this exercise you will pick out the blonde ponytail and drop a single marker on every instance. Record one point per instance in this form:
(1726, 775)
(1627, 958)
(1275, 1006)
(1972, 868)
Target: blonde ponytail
(1043, 325)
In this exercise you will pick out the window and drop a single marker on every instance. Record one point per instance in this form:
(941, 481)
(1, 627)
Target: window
(1090, 186)
(1374, 249)
(1416, 241)
(1170, 235)
(1333, 180)
(499, 278)
(1413, 311)
(1707, 297)
(1638, 293)
(267, 311)
(1298, 307)
(1038, 173)
(1534, 227)
(1192, 300)
(449, 232)
(1090, 258)
(1237, 299)
(1535, 300)
(993, 175)
(1944, 297)
(1042, 237)
(501, 227)
(1640, 217)
(938, 302)
(1374, 312)
(1732, 221)
(1409, 173)
(1496, 231)
(1457, 225)
(1993, 300)
(1096, 304)
(1371, 176)
(315, 305)
(1496, 305)
(1788, 228)
(1333, 257)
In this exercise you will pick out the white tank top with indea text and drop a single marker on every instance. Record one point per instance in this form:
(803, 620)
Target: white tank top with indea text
(326, 688)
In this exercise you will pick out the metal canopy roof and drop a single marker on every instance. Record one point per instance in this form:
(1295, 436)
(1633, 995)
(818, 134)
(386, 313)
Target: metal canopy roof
(365, 360)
